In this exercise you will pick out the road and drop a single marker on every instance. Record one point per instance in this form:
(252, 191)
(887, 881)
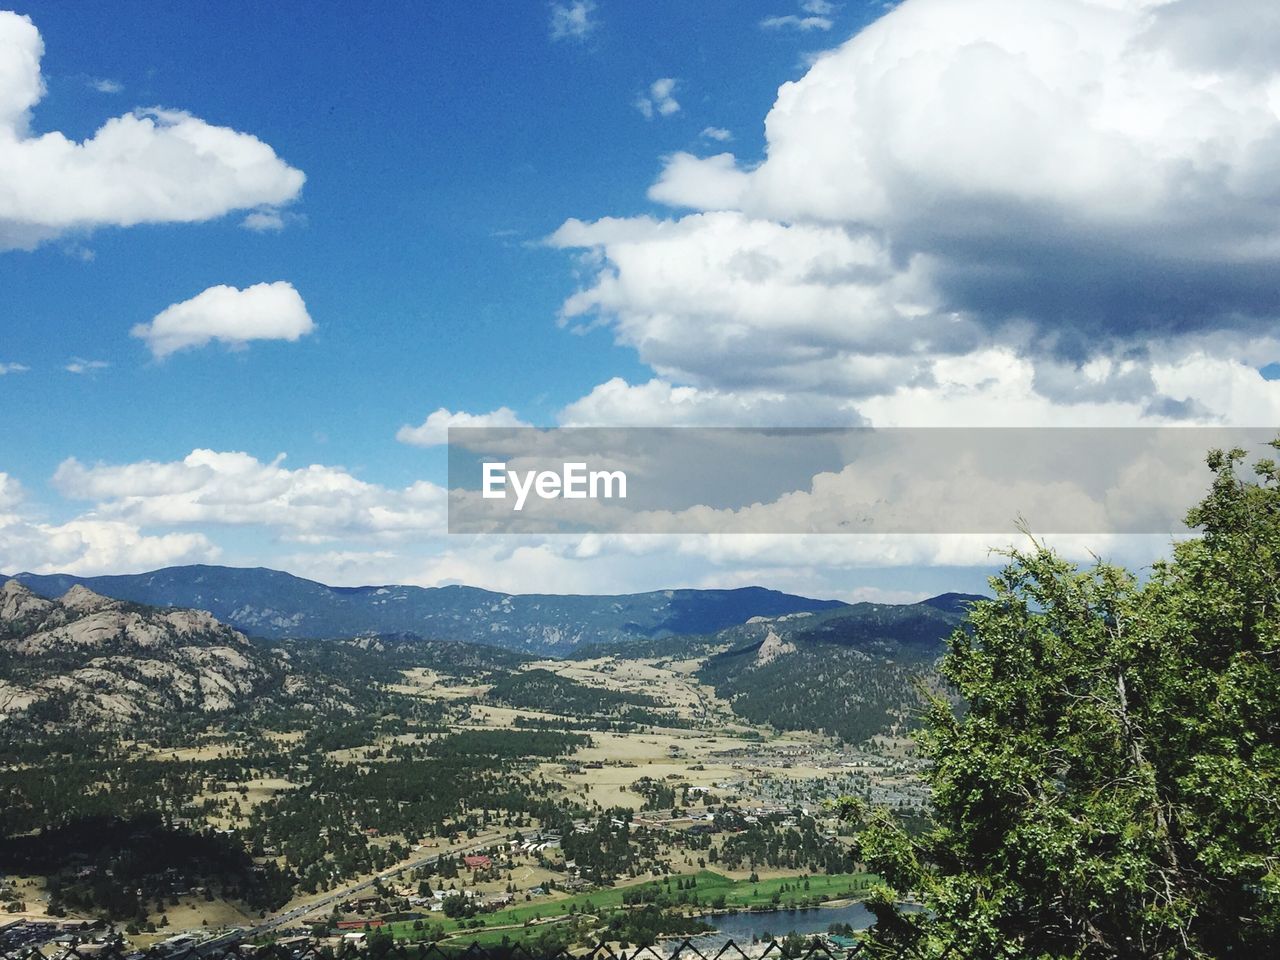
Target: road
(294, 914)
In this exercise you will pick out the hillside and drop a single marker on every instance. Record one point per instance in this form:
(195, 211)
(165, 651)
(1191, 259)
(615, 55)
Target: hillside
(85, 660)
(540, 689)
(276, 605)
(853, 672)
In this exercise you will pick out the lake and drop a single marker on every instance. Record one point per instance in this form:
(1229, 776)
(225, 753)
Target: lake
(744, 926)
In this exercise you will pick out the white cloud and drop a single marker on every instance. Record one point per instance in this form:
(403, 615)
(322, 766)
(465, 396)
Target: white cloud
(794, 22)
(313, 504)
(721, 300)
(266, 220)
(703, 183)
(658, 403)
(13, 368)
(326, 507)
(11, 493)
(1033, 211)
(264, 311)
(1095, 128)
(574, 20)
(86, 545)
(659, 100)
(150, 166)
(814, 15)
(719, 134)
(825, 565)
(347, 568)
(105, 86)
(79, 365)
(434, 431)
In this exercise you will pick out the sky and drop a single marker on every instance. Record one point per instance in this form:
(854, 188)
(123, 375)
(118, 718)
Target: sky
(254, 260)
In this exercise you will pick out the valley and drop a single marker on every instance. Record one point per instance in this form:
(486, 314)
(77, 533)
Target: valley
(434, 789)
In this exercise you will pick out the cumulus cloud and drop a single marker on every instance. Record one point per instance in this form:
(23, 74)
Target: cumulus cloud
(12, 368)
(434, 431)
(575, 20)
(103, 85)
(154, 165)
(1076, 202)
(719, 134)
(326, 509)
(704, 183)
(1064, 159)
(264, 311)
(659, 100)
(722, 300)
(314, 504)
(86, 545)
(658, 403)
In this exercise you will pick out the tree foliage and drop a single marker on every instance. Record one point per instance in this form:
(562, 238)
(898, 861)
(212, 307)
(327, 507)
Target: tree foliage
(1113, 788)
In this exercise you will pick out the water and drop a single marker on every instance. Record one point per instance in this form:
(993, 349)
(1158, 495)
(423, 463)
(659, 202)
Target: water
(744, 926)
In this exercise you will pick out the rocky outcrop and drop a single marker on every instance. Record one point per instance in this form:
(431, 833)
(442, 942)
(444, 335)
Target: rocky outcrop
(83, 600)
(90, 660)
(19, 605)
(772, 648)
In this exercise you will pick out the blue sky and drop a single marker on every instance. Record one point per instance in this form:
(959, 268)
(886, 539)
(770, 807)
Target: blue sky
(940, 235)
(440, 142)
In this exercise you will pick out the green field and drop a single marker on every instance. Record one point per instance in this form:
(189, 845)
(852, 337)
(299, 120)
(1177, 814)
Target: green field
(738, 895)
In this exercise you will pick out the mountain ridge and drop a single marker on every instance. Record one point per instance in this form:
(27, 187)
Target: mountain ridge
(277, 605)
(853, 672)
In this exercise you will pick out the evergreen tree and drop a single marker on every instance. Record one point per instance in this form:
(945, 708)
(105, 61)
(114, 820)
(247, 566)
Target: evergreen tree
(1113, 787)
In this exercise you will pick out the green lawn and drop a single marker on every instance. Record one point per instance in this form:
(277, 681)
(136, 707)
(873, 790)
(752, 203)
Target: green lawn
(738, 894)
(745, 894)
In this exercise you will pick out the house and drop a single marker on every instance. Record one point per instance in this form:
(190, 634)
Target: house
(441, 895)
(477, 861)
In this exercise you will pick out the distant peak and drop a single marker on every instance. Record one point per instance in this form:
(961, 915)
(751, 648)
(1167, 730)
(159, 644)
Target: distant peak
(957, 603)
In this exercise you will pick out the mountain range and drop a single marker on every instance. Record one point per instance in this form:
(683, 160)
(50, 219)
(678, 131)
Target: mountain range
(107, 650)
(277, 605)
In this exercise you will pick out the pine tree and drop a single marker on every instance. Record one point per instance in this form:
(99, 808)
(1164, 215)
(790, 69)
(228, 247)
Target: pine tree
(1111, 788)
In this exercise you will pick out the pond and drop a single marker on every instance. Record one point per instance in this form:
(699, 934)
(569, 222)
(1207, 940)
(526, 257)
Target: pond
(744, 926)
